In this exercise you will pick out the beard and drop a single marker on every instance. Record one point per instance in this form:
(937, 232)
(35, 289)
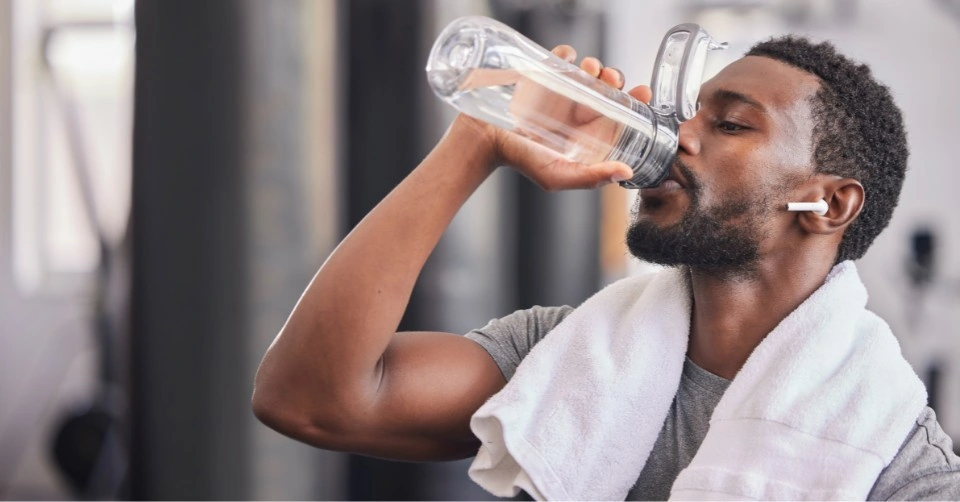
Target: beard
(724, 239)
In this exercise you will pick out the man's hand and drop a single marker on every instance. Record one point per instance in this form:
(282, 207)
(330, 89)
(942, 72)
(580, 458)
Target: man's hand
(544, 167)
(339, 376)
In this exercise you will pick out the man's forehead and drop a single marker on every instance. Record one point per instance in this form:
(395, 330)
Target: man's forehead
(771, 83)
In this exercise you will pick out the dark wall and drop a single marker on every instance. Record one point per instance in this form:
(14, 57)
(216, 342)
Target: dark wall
(188, 325)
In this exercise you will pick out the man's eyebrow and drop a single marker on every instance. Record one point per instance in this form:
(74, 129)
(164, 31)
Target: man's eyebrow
(728, 95)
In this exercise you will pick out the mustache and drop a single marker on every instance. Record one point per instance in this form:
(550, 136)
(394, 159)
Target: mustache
(694, 185)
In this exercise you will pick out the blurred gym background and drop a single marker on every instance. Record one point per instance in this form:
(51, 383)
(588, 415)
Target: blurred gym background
(172, 172)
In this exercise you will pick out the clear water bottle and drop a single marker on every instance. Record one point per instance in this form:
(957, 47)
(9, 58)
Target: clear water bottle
(493, 73)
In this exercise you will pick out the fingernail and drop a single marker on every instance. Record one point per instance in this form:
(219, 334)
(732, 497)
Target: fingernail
(618, 177)
(623, 79)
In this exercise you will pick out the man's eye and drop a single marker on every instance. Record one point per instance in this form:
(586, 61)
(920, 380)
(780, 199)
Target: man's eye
(729, 126)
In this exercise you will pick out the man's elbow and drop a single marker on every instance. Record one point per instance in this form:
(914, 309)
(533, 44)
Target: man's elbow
(267, 410)
(275, 400)
(310, 407)
(288, 419)
(321, 423)
(272, 411)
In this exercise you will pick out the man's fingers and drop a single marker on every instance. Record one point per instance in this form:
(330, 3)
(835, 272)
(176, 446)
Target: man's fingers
(565, 52)
(591, 65)
(569, 175)
(612, 77)
(641, 93)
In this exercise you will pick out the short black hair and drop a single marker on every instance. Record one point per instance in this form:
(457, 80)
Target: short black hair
(858, 132)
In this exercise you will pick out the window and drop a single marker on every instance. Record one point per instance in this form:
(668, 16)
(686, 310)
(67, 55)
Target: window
(72, 107)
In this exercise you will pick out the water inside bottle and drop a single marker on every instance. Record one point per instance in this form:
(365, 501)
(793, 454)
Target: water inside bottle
(537, 104)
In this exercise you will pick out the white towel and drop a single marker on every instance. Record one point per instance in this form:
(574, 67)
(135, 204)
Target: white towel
(817, 411)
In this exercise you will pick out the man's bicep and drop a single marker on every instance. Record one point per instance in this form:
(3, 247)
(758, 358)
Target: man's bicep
(431, 385)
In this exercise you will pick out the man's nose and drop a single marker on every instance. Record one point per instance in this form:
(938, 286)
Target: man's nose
(688, 137)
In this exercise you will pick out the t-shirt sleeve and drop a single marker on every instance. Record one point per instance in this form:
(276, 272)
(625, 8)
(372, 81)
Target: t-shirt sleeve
(510, 338)
(925, 468)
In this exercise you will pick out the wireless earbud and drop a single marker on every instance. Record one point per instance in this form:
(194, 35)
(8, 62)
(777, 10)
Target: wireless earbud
(820, 207)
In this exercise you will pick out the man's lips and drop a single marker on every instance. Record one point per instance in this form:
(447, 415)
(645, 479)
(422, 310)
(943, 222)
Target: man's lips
(668, 186)
(671, 184)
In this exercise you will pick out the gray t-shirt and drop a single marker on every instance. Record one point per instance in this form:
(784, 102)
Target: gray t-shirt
(925, 468)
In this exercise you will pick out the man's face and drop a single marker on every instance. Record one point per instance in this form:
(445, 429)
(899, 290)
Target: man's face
(749, 144)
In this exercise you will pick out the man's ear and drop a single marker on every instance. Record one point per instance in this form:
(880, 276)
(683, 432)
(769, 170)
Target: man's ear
(844, 197)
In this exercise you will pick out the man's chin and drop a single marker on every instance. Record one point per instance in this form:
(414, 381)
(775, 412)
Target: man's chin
(708, 247)
(652, 241)
(657, 213)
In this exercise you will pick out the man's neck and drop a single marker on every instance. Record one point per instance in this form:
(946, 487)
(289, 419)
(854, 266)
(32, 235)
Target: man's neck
(733, 313)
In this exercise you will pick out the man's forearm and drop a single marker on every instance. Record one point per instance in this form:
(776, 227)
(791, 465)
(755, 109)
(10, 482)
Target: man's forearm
(345, 319)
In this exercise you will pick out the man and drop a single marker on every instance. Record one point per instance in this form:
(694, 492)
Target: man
(791, 121)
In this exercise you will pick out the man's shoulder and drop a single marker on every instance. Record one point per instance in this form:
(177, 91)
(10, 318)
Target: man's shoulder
(510, 338)
(925, 468)
(537, 320)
